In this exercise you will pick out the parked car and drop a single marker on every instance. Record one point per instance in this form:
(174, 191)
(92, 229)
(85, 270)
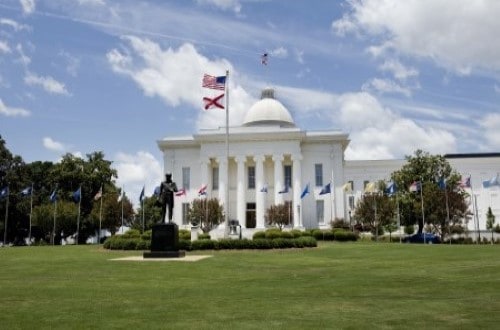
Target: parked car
(428, 238)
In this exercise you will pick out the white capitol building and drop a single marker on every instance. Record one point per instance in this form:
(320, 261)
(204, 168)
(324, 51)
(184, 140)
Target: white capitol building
(269, 152)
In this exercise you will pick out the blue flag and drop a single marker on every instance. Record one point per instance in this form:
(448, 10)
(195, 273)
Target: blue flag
(141, 196)
(284, 191)
(390, 189)
(305, 192)
(156, 192)
(326, 189)
(264, 189)
(4, 192)
(26, 191)
(77, 195)
(442, 184)
(53, 196)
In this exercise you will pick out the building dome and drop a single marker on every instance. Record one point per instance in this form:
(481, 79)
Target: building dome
(268, 111)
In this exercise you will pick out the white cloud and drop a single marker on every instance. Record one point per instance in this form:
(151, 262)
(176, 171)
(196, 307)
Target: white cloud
(233, 5)
(137, 170)
(28, 6)
(91, 2)
(4, 47)
(13, 24)
(53, 145)
(13, 112)
(398, 70)
(23, 58)
(384, 86)
(171, 74)
(72, 63)
(48, 83)
(379, 133)
(460, 35)
(279, 52)
(490, 123)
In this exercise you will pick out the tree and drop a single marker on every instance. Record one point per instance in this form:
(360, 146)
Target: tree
(428, 170)
(208, 213)
(279, 215)
(490, 222)
(112, 212)
(152, 214)
(66, 214)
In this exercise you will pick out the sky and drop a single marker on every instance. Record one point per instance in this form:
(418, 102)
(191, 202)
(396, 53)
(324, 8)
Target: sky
(79, 76)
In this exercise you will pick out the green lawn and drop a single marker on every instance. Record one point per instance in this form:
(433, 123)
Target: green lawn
(336, 286)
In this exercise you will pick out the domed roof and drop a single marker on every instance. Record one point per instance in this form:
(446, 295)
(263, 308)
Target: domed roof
(268, 111)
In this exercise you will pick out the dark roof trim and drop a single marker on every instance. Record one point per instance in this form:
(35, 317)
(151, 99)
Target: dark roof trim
(474, 155)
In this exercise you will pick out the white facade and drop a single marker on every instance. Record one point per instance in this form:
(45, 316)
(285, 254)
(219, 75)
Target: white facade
(269, 151)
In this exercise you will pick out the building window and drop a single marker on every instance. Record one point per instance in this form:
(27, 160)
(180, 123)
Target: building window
(288, 175)
(186, 177)
(351, 184)
(215, 178)
(351, 202)
(318, 174)
(185, 210)
(320, 211)
(251, 177)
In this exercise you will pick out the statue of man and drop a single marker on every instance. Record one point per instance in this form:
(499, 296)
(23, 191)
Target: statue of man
(167, 190)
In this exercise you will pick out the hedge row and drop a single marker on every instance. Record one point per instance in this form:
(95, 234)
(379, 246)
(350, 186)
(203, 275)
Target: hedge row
(127, 243)
(337, 234)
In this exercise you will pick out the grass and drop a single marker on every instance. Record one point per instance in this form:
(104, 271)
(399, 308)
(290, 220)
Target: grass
(336, 286)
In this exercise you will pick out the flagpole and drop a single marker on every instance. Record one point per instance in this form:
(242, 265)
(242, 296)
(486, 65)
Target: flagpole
(143, 211)
(54, 227)
(422, 202)
(447, 209)
(78, 218)
(226, 218)
(122, 207)
(31, 213)
(100, 219)
(399, 218)
(6, 217)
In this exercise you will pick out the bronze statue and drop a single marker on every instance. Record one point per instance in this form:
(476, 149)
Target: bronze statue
(167, 190)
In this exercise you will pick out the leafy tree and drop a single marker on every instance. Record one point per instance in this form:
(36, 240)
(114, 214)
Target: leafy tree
(428, 170)
(279, 215)
(111, 212)
(152, 214)
(490, 222)
(375, 210)
(66, 214)
(208, 213)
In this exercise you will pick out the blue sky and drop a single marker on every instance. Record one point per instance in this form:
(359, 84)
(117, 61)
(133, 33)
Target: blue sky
(115, 76)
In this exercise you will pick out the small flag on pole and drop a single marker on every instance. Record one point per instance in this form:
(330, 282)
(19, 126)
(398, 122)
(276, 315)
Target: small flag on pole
(181, 192)
(26, 191)
(213, 102)
(465, 183)
(390, 189)
(98, 195)
(442, 184)
(203, 190)
(77, 195)
(264, 189)
(156, 192)
(326, 189)
(284, 191)
(491, 182)
(53, 196)
(141, 196)
(264, 58)
(212, 82)
(415, 186)
(347, 187)
(4, 192)
(305, 192)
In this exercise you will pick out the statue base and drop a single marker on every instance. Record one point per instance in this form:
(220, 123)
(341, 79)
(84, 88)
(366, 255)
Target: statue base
(165, 242)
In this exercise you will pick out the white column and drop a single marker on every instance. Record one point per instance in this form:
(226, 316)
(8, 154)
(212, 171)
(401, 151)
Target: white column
(222, 182)
(297, 175)
(240, 190)
(259, 196)
(339, 211)
(278, 179)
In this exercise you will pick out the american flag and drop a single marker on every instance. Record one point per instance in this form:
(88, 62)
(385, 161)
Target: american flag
(214, 82)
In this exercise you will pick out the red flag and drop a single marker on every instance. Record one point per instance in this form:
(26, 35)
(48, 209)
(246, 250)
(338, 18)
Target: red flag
(213, 103)
(181, 192)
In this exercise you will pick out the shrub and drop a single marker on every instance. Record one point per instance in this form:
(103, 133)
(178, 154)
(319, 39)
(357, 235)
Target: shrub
(344, 236)
(323, 235)
(147, 235)
(204, 244)
(286, 234)
(143, 245)
(273, 233)
(185, 244)
(184, 234)
(296, 233)
(259, 234)
(204, 236)
(262, 243)
(132, 233)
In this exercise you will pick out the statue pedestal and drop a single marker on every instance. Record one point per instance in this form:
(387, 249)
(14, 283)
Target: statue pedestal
(165, 242)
